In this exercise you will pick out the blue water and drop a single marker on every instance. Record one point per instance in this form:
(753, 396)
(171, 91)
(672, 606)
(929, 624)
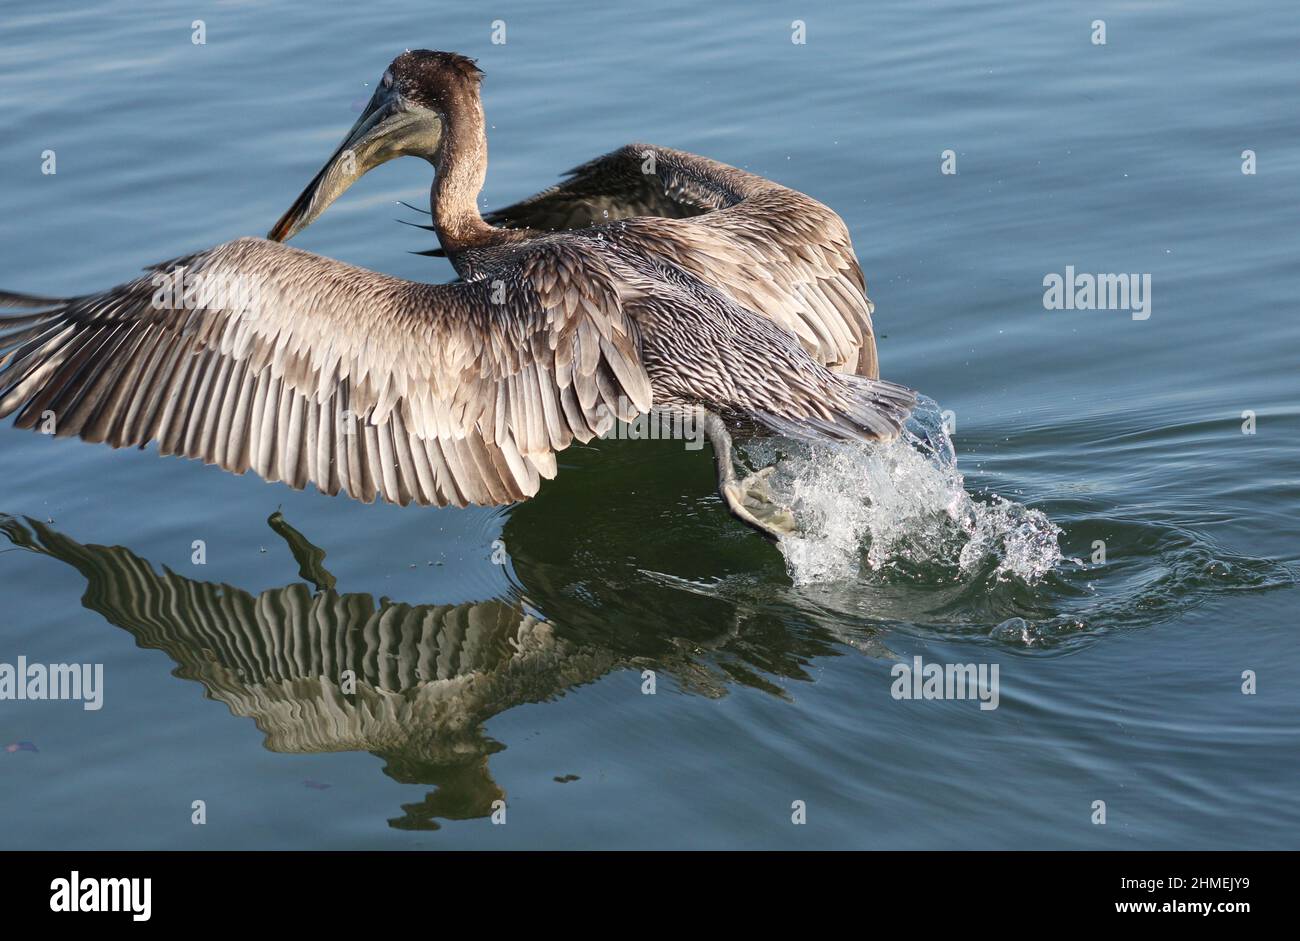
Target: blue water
(1119, 681)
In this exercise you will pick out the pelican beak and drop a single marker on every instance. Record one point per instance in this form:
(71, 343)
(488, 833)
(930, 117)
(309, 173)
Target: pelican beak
(390, 127)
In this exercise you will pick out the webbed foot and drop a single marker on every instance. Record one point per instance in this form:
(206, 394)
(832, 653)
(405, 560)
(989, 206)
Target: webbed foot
(752, 502)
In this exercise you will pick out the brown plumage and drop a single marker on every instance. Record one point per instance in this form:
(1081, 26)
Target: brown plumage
(772, 249)
(650, 278)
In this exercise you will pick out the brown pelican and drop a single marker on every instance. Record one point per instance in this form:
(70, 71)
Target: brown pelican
(651, 278)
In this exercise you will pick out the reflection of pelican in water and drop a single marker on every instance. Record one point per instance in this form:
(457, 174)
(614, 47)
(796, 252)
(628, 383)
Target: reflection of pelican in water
(651, 278)
(423, 678)
(326, 671)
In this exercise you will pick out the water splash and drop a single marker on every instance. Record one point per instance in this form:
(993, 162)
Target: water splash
(902, 508)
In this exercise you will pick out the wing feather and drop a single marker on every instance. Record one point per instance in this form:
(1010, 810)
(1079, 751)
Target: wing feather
(774, 250)
(316, 371)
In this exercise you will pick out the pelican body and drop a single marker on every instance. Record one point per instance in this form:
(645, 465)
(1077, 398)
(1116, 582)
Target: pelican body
(649, 279)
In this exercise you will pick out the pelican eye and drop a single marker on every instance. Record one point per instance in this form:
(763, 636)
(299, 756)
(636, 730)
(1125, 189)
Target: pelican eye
(387, 80)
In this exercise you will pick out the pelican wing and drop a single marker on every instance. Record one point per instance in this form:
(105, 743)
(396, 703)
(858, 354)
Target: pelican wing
(255, 355)
(775, 250)
(427, 675)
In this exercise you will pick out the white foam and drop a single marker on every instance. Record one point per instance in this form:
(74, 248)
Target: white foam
(900, 506)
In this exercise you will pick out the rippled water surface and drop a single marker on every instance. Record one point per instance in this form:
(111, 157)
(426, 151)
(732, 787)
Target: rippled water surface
(1098, 525)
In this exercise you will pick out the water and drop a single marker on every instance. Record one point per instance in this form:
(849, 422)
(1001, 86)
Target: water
(906, 504)
(1120, 679)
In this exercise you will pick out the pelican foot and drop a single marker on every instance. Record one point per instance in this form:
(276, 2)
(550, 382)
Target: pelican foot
(752, 501)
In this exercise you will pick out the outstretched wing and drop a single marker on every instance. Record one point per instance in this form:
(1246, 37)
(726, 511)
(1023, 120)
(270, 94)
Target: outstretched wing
(255, 355)
(775, 250)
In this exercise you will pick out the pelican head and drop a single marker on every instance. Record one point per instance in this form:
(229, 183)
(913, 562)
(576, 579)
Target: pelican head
(405, 117)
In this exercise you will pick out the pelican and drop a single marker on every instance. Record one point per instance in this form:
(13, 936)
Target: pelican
(649, 279)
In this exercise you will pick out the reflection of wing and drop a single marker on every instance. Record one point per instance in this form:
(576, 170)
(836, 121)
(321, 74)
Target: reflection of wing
(426, 676)
(256, 355)
(775, 250)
